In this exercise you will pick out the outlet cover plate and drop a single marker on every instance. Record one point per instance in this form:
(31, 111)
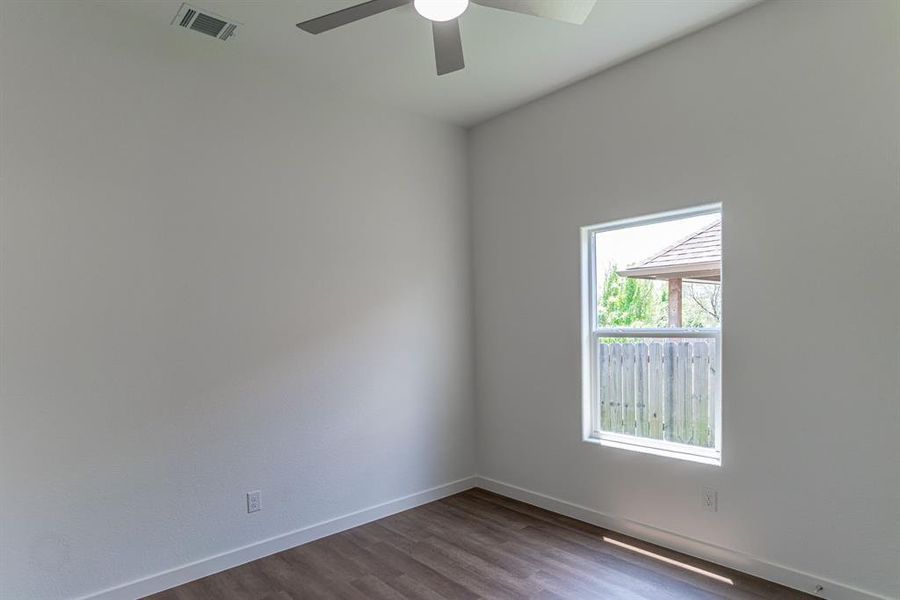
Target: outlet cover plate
(709, 499)
(254, 501)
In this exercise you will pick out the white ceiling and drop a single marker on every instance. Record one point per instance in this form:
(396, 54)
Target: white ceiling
(388, 59)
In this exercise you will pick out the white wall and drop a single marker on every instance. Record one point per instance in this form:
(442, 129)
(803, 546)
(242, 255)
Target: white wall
(212, 282)
(789, 114)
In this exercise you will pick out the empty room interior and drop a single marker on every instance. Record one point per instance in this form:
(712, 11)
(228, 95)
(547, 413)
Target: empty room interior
(449, 299)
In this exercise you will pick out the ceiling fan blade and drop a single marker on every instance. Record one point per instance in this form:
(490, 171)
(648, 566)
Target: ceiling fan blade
(570, 11)
(448, 51)
(349, 15)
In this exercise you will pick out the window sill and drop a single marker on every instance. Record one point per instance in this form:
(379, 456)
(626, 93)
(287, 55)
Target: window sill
(706, 456)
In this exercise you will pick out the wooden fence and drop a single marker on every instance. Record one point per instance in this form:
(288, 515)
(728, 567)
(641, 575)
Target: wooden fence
(659, 389)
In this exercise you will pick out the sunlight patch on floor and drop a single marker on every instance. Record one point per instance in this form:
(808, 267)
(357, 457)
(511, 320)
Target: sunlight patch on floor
(670, 561)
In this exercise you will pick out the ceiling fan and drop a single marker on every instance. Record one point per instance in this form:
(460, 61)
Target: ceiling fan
(444, 16)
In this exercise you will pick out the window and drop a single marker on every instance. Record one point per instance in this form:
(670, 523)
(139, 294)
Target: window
(652, 297)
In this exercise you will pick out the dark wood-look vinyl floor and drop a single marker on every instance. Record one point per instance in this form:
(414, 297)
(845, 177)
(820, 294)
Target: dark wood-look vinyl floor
(477, 544)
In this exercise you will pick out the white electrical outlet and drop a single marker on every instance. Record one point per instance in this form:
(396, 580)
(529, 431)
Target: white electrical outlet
(709, 499)
(254, 501)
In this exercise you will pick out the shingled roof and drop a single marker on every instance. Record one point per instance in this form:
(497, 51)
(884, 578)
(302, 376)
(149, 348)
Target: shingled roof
(698, 256)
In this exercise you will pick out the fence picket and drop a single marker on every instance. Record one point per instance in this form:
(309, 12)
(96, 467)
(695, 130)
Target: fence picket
(603, 384)
(714, 389)
(640, 374)
(628, 395)
(615, 396)
(684, 394)
(669, 391)
(655, 390)
(677, 383)
(700, 394)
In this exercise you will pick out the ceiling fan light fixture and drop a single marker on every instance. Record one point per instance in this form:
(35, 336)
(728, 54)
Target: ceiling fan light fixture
(440, 10)
(444, 17)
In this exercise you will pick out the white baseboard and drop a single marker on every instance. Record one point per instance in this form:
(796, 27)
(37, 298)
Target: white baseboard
(668, 539)
(238, 556)
(717, 554)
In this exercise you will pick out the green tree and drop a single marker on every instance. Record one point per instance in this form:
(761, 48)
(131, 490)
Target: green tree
(629, 302)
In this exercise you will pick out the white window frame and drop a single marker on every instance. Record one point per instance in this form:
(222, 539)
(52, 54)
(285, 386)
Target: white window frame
(591, 332)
